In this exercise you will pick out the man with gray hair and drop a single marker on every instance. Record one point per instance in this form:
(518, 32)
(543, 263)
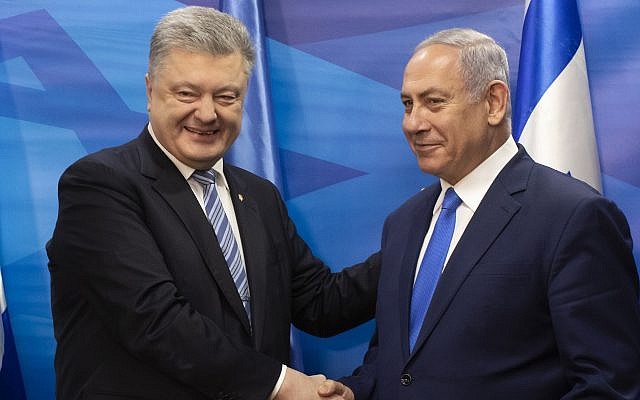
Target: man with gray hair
(507, 279)
(175, 275)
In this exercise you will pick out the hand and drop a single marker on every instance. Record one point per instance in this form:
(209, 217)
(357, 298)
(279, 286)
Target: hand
(333, 390)
(298, 386)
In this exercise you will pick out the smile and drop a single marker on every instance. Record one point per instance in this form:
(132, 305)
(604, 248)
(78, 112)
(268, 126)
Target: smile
(426, 145)
(201, 132)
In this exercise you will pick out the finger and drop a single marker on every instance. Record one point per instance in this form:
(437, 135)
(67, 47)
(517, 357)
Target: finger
(318, 379)
(330, 387)
(337, 391)
(345, 396)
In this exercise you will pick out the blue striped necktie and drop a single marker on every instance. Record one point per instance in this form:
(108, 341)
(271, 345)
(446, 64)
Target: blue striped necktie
(432, 264)
(222, 228)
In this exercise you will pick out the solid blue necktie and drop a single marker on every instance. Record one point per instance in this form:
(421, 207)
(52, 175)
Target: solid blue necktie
(222, 228)
(432, 264)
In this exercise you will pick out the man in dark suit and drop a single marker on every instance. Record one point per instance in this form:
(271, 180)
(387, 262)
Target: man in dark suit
(506, 280)
(175, 275)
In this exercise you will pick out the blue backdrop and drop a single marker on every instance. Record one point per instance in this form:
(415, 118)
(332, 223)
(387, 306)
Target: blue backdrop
(72, 82)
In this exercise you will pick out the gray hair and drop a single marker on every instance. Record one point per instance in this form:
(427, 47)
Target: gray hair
(482, 60)
(200, 29)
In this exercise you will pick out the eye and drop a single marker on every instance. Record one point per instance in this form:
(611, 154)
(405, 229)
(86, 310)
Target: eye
(227, 98)
(408, 104)
(186, 96)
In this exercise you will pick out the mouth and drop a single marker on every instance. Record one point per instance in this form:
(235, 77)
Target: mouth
(426, 146)
(201, 132)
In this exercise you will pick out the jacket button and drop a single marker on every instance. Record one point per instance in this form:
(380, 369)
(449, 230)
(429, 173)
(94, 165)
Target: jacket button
(406, 379)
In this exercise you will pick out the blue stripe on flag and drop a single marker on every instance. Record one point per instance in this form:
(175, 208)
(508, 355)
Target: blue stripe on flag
(551, 35)
(255, 149)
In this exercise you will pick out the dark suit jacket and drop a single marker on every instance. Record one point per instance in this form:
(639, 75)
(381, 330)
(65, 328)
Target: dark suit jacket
(539, 300)
(143, 303)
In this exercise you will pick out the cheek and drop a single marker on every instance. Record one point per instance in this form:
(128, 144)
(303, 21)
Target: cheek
(172, 113)
(232, 117)
(235, 114)
(409, 140)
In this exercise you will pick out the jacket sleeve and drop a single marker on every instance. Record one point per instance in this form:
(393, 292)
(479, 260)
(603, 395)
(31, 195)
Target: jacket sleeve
(593, 302)
(326, 303)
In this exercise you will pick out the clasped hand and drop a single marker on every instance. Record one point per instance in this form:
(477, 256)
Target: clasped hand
(298, 386)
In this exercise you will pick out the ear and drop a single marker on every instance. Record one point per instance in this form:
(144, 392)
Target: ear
(498, 102)
(147, 82)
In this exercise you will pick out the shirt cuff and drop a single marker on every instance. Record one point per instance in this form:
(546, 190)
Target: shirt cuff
(276, 388)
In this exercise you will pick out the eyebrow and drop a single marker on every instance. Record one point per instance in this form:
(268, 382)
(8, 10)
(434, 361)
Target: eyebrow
(234, 88)
(429, 92)
(426, 93)
(229, 87)
(183, 84)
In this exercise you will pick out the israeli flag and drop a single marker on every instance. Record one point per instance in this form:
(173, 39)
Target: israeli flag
(552, 116)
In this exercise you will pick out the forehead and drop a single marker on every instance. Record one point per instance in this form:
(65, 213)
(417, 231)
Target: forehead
(183, 63)
(433, 65)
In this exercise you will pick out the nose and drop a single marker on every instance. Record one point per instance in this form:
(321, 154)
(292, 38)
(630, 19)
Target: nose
(206, 110)
(416, 121)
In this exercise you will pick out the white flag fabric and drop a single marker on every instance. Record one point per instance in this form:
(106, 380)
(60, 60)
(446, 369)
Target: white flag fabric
(552, 116)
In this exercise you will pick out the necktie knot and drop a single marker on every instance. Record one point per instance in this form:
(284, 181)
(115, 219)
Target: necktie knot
(451, 200)
(204, 177)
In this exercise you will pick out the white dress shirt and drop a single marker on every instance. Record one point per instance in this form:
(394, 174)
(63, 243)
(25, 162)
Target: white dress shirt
(225, 198)
(221, 187)
(471, 190)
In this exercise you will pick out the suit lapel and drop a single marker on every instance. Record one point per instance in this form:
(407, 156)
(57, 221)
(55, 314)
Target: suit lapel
(173, 188)
(253, 238)
(493, 214)
(417, 229)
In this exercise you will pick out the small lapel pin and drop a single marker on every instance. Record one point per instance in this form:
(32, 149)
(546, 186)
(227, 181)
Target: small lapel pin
(241, 197)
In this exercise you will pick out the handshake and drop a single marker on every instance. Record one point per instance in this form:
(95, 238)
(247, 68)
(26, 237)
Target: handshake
(298, 386)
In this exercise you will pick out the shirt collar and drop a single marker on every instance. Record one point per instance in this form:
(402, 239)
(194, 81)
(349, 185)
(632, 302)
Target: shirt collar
(472, 188)
(185, 170)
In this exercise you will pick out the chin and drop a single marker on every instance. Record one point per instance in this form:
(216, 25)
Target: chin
(426, 167)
